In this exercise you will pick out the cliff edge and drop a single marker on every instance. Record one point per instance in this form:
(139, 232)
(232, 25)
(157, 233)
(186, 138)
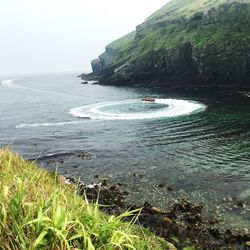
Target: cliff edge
(185, 44)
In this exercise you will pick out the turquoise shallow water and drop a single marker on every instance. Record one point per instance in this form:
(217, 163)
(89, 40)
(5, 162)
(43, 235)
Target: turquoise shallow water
(134, 107)
(203, 154)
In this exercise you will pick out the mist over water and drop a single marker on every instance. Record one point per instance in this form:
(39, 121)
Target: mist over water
(197, 143)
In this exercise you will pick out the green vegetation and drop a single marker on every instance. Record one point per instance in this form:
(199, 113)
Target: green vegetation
(216, 35)
(171, 7)
(112, 49)
(185, 8)
(38, 211)
(175, 24)
(119, 43)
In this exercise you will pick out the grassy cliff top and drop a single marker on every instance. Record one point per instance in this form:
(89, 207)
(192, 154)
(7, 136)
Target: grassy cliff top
(185, 8)
(120, 42)
(219, 24)
(38, 211)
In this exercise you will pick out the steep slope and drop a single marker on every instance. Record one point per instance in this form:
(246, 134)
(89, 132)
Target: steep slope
(186, 43)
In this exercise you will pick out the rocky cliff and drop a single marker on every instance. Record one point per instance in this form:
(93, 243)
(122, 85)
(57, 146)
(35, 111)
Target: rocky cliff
(187, 43)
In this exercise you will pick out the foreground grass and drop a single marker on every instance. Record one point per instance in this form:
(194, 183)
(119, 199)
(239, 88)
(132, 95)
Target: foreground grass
(39, 212)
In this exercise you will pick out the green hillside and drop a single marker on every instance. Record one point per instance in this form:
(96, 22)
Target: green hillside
(177, 8)
(203, 39)
(172, 6)
(119, 43)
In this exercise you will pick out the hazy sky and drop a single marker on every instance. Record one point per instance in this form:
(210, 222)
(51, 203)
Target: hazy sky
(64, 35)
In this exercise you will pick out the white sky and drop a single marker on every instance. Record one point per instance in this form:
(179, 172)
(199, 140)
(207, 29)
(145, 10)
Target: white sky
(64, 35)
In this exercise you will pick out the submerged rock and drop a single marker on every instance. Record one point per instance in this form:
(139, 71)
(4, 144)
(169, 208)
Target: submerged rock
(184, 221)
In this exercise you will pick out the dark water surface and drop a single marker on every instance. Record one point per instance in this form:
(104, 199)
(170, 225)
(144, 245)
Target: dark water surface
(203, 155)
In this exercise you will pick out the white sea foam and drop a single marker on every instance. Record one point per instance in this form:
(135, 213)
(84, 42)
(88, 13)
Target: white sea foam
(47, 124)
(247, 94)
(173, 108)
(9, 83)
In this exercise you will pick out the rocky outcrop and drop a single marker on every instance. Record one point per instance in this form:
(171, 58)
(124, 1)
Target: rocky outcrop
(96, 66)
(185, 47)
(229, 66)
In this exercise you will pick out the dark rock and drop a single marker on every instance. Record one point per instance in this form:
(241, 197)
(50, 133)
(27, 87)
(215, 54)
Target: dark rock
(96, 66)
(162, 184)
(185, 206)
(239, 238)
(113, 188)
(193, 218)
(172, 214)
(246, 237)
(241, 204)
(125, 192)
(229, 237)
(147, 205)
(213, 221)
(183, 222)
(82, 156)
(104, 182)
(215, 232)
(51, 161)
(138, 175)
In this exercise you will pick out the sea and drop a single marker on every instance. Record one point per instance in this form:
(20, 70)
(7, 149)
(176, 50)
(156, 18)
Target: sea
(189, 145)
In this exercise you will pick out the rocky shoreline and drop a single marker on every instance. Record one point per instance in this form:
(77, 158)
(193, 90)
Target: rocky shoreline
(183, 221)
(182, 224)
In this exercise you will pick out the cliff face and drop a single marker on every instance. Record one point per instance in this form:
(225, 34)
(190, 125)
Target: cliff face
(187, 43)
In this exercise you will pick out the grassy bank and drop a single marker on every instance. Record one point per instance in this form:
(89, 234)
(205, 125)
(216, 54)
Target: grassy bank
(38, 211)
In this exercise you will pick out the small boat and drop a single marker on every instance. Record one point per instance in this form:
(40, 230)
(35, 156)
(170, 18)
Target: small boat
(148, 99)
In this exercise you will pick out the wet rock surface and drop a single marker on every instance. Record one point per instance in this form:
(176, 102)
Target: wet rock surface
(183, 222)
(67, 160)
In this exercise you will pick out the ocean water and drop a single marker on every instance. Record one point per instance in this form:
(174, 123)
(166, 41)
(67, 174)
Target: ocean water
(197, 143)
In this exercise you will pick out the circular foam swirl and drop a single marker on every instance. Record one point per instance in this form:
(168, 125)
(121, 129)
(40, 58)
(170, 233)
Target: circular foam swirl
(173, 108)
